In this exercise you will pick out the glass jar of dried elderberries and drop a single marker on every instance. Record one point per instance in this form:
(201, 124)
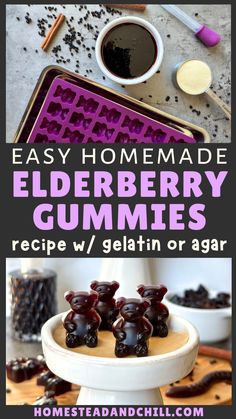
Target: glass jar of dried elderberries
(33, 299)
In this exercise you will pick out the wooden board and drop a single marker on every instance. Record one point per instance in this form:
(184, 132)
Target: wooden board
(28, 391)
(203, 366)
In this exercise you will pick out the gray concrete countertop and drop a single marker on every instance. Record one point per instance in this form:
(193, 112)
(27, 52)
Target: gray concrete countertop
(25, 60)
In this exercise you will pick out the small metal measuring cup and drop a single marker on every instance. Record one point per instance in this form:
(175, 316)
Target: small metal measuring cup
(194, 77)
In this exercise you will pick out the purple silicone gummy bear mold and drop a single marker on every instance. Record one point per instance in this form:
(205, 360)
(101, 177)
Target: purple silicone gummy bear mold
(78, 120)
(55, 109)
(72, 114)
(73, 136)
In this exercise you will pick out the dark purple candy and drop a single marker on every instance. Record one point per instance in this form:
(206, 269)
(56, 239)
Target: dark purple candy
(200, 299)
(42, 363)
(44, 377)
(21, 369)
(47, 399)
(200, 387)
(82, 321)
(106, 305)
(132, 330)
(157, 313)
(57, 385)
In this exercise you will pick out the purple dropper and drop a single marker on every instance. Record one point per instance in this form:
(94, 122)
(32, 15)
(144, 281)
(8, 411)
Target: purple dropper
(208, 36)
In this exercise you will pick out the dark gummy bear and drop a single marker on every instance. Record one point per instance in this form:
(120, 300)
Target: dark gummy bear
(42, 363)
(157, 313)
(132, 330)
(47, 399)
(44, 377)
(222, 300)
(106, 306)
(82, 321)
(200, 298)
(21, 369)
(57, 385)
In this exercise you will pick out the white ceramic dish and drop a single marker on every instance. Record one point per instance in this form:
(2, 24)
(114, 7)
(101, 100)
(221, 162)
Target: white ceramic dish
(213, 325)
(139, 21)
(115, 381)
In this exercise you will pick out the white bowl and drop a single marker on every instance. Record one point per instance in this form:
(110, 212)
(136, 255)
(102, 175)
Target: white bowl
(139, 21)
(116, 381)
(213, 325)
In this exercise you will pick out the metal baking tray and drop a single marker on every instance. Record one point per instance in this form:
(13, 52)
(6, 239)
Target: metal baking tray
(49, 76)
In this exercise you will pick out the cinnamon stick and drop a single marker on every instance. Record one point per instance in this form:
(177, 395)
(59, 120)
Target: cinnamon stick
(139, 7)
(52, 32)
(215, 352)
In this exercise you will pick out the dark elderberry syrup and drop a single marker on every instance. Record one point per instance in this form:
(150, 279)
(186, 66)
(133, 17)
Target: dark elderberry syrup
(129, 50)
(33, 302)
